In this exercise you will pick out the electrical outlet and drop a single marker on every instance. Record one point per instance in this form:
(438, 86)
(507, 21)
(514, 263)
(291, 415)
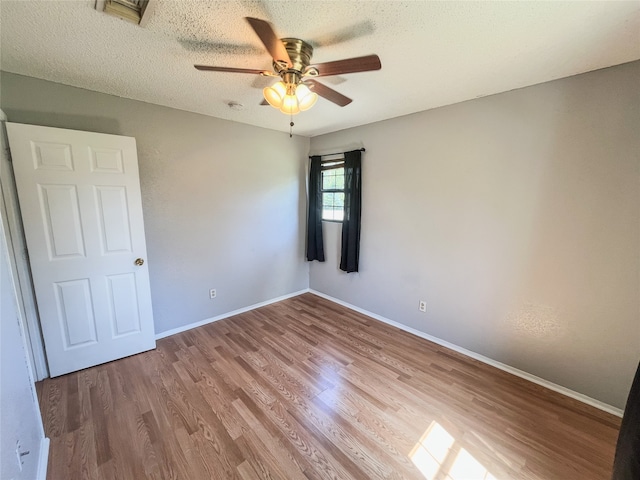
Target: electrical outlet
(212, 293)
(423, 306)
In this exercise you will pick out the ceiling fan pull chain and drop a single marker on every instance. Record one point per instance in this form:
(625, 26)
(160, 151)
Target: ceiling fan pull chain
(291, 126)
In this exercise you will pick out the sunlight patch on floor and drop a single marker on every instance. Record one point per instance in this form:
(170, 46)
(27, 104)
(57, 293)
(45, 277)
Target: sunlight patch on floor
(439, 457)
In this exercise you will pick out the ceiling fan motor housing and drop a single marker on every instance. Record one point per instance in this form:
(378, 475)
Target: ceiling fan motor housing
(300, 53)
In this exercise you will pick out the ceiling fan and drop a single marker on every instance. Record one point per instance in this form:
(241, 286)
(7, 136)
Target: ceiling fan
(298, 90)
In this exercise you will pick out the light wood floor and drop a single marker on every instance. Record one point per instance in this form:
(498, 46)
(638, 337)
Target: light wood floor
(308, 389)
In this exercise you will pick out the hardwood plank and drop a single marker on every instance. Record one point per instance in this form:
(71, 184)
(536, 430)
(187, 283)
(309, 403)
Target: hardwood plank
(305, 388)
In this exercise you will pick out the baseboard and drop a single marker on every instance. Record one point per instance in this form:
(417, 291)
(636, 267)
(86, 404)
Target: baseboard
(43, 459)
(502, 366)
(206, 321)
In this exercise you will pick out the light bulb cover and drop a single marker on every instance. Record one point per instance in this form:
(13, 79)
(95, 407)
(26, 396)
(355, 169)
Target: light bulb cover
(306, 98)
(290, 105)
(275, 94)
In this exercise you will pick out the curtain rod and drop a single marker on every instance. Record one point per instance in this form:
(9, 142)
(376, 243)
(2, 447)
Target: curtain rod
(339, 153)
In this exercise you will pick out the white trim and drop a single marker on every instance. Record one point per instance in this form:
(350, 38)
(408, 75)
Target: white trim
(43, 459)
(502, 366)
(206, 321)
(19, 264)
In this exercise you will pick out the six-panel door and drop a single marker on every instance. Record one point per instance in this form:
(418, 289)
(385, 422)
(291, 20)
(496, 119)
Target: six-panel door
(80, 201)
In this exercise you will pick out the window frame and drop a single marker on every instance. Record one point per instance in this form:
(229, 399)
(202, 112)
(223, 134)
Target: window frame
(325, 165)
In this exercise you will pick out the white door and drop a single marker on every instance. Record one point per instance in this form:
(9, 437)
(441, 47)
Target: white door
(79, 195)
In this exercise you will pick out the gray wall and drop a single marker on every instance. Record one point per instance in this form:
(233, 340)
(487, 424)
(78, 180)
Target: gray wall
(517, 218)
(223, 202)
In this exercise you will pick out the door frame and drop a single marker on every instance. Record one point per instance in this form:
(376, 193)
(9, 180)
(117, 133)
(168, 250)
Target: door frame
(21, 270)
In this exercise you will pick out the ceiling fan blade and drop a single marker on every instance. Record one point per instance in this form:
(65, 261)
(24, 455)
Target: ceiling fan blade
(206, 46)
(231, 69)
(328, 93)
(264, 102)
(271, 42)
(350, 32)
(349, 65)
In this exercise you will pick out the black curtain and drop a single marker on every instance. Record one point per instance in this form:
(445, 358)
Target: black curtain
(315, 246)
(626, 465)
(352, 210)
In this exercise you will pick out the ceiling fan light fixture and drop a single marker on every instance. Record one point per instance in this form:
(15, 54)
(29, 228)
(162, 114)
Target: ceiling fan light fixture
(306, 98)
(290, 98)
(290, 105)
(275, 94)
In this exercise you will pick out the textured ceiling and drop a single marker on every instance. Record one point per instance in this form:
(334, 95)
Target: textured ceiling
(432, 53)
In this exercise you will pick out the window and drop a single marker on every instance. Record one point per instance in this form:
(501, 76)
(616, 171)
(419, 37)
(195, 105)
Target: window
(333, 190)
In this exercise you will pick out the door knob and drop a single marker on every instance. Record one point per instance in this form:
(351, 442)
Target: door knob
(139, 262)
